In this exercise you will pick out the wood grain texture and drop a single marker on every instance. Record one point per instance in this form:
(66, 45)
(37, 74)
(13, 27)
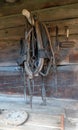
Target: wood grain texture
(58, 13)
(72, 24)
(12, 26)
(66, 86)
(7, 9)
(12, 33)
(9, 52)
(12, 21)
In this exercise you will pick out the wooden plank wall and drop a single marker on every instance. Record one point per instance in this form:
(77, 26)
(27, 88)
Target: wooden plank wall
(12, 27)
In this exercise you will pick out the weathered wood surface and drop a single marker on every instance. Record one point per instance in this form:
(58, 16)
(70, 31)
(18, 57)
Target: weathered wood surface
(12, 27)
(57, 13)
(63, 84)
(72, 24)
(7, 9)
(49, 113)
(12, 21)
(34, 120)
(15, 33)
(9, 52)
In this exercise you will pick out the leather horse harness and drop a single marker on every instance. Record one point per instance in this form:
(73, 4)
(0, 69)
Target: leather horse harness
(36, 55)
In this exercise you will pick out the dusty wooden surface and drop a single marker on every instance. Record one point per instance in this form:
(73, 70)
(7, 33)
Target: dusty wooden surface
(42, 117)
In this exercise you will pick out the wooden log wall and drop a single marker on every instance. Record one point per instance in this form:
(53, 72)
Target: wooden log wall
(12, 27)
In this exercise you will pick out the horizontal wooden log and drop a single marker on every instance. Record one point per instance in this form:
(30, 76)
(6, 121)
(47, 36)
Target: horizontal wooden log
(12, 33)
(63, 37)
(7, 9)
(10, 30)
(19, 20)
(15, 21)
(9, 52)
(72, 24)
(66, 87)
(12, 21)
(66, 22)
(73, 30)
(17, 33)
(58, 13)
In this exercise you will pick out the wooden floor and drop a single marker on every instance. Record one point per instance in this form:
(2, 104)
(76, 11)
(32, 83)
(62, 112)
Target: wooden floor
(49, 117)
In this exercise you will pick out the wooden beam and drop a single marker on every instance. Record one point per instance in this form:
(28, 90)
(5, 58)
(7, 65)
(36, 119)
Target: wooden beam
(62, 23)
(58, 13)
(16, 33)
(9, 52)
(61, 30)
(74, 36)
(52, 14)
(12, 21)
(19, 20)
(12, 33)
(72, 24)
(66, 22)
(7, 9)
